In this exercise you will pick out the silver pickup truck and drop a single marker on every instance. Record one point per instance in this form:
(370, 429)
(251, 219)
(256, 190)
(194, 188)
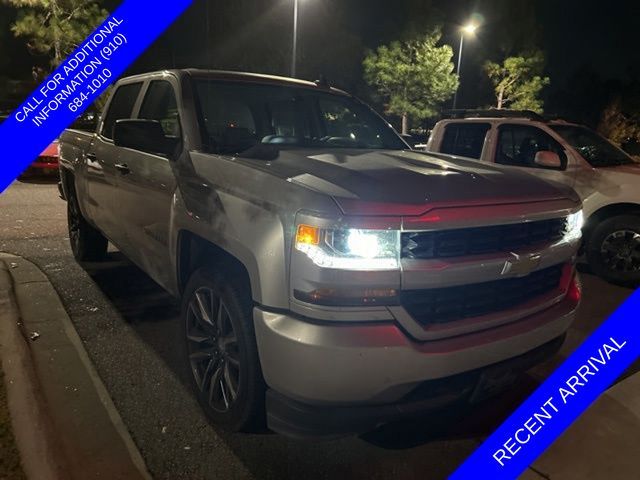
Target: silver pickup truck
(331, 280)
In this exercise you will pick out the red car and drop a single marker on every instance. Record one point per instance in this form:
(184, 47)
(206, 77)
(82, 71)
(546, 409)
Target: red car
(47, 161)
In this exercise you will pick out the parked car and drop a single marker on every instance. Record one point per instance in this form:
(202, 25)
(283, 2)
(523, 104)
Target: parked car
(47, 161)
(331, 280)
(606, 178)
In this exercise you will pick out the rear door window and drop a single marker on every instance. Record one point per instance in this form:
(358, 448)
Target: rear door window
(464, 139)
(121, 106)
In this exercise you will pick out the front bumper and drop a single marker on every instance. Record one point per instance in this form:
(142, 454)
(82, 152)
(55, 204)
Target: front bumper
(299, 420)
(376, 363)
(44, 167)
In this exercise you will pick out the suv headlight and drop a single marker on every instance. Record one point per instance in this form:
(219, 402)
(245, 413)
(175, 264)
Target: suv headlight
(575, 222)
(350, 248)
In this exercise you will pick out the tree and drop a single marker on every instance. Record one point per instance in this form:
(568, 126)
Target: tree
(56, 27)
(620, 125)
(413, 77)
(518, 81)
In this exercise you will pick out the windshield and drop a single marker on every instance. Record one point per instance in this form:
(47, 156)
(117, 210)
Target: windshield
(235, 117)
(596, 150)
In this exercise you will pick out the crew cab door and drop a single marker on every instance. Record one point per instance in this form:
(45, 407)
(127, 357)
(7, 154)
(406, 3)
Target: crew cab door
(517, 144)
(147, 187)
(101, 158)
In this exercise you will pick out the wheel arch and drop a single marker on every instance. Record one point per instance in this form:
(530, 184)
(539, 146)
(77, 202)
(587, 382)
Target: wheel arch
(67, 181)
(610, 211)
(195, 251)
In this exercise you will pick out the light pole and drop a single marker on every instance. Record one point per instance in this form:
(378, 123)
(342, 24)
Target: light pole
(469, 29)
(294, 52)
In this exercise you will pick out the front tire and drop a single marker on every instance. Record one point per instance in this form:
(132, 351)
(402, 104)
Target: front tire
(87, 243)
(221, 352)
(613, 250)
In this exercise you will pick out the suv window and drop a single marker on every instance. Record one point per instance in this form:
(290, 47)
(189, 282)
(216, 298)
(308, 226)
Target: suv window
(518, 145)
(596, 150)
(121, 106)
(464, 139)
(160, 104)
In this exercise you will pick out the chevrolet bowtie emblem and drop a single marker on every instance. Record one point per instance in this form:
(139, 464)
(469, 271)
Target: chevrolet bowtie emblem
(521, 265)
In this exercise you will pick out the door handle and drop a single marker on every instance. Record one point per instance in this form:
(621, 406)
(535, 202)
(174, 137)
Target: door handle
(123, 168)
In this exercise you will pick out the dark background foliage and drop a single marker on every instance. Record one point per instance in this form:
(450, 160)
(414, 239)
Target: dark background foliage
(591, 46)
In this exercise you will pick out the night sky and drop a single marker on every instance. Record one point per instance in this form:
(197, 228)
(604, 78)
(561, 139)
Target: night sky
(582, 39)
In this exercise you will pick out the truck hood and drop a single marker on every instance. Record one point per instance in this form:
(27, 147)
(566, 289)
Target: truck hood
(404, 182)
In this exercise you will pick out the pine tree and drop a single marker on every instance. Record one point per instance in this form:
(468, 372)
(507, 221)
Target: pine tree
(518, 81)
(413, 77)
(56, 27)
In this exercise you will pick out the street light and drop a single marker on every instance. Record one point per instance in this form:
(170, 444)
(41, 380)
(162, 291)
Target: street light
(471, 28)
(294, 53)
(468, 29)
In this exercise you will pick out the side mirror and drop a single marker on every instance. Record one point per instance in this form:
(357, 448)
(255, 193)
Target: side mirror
(547, 159)
(144, 135)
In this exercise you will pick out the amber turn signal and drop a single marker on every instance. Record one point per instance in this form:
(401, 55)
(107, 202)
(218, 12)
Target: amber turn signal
(308, 235)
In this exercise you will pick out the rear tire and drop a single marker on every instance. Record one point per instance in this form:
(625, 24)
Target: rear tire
(87, 243)
(613, 250)
(220, 351)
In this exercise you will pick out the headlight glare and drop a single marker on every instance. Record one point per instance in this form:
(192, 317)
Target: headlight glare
(351, 249)
(575, 222)
(362, 244)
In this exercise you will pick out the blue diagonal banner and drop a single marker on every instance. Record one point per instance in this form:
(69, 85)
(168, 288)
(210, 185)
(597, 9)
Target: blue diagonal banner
(80, 79)
(566, 394)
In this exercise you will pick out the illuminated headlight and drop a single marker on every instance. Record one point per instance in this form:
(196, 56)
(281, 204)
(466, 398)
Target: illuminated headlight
(575, 222)
(350, 248)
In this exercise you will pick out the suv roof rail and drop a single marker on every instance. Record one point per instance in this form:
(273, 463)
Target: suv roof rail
(323, 82)
(493, 113)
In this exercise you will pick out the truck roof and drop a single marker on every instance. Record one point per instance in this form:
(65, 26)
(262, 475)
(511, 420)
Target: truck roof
(247, 77)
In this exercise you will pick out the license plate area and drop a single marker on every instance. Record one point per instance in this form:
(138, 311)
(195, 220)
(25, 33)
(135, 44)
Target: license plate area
(493, 381)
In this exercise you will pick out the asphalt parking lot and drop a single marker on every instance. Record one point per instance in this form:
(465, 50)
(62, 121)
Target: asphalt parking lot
(129, 327)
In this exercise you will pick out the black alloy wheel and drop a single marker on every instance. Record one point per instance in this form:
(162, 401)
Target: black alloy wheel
(220, 350)
(613, 250)
(621, 251)
(213, 351)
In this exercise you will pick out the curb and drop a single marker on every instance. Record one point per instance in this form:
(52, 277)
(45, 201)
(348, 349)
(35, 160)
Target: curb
(64, 420)
(31, 426)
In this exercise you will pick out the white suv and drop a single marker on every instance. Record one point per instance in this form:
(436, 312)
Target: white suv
(606, 178)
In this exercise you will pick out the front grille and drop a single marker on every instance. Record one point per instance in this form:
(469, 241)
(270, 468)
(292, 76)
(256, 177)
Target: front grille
(481, 240)
(442, 305)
